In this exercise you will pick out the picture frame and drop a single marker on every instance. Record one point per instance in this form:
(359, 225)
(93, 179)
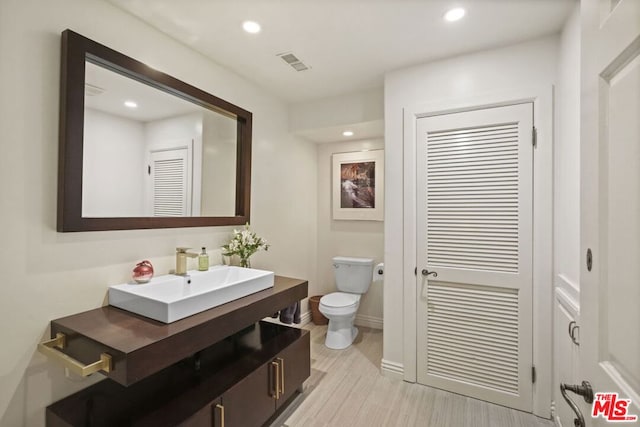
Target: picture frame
(357, 185)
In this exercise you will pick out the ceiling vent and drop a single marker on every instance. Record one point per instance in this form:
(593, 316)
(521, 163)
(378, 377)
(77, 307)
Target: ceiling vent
(293, 60)
(91, 90)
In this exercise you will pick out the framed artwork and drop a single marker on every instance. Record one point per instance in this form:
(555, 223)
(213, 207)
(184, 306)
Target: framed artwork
(357, 187)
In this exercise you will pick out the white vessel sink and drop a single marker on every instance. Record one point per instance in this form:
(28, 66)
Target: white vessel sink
(170, 298)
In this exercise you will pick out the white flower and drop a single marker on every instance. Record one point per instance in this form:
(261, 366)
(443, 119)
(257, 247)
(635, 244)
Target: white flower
(244, 244)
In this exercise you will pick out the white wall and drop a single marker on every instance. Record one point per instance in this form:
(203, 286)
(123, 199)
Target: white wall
(47, 275)
(567, 158)
(219, 149)
(477, 75)
(114, 156)
(347, 238)
(365, 106)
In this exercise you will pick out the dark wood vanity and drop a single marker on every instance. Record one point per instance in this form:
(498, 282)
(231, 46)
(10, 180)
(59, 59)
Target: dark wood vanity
(221, 367)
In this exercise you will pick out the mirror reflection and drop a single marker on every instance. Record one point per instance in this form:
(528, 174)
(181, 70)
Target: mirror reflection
(148, 153)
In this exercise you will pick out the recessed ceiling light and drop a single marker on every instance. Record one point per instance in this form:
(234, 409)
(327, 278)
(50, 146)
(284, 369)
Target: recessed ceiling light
(347, 133)
(454, 14)
(251, 27)
(130, 104)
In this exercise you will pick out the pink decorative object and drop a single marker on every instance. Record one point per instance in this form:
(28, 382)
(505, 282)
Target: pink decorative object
(143, 272)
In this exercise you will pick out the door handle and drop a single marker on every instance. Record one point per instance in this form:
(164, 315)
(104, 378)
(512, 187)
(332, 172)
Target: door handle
(281, 362)
(276, 375)
(221, 409)
(427, 273)
(583, 390)
(572, 332)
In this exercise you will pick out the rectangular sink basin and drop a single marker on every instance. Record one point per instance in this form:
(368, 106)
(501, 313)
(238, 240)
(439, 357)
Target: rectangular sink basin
(170, 298)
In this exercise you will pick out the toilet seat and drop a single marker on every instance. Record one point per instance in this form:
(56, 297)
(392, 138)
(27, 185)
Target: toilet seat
(339, 304)
(339, 300)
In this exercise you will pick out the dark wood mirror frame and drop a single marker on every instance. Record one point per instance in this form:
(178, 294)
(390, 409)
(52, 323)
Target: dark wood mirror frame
(76, 49)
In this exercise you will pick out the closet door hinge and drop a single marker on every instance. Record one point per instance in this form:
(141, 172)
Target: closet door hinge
(533, 374)
(534, 137)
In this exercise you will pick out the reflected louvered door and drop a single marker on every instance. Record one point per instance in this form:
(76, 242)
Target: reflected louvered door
(474, 225)
(170, 183)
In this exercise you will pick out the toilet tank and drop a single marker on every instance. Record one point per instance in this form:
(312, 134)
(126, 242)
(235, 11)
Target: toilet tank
(353, 275)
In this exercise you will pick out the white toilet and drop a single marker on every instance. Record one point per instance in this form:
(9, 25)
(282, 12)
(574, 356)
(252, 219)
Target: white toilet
(353, 277)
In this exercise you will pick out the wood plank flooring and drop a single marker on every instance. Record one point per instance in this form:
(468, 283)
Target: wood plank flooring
(346, 388)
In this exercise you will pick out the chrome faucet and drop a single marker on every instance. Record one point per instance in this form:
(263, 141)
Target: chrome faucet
(181, 260)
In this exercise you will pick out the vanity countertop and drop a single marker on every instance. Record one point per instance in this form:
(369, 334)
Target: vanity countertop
(141, 346)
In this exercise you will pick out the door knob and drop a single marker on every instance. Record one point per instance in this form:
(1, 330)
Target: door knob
(427, 273)
(583, 390)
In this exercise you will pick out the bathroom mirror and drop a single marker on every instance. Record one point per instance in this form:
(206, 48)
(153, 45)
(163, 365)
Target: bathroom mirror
(141, 149)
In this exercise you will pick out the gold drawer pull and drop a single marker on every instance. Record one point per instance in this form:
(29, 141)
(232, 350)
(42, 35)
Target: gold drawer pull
(281, 361)
(276, 365)
(219, 406)
(60, 341)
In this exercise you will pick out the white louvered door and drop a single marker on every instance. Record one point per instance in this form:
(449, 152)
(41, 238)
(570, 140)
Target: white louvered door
(474, 225)
(170, 183)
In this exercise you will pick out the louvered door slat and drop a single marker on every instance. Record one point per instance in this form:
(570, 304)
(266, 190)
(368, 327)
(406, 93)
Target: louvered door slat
(491, 351)
(169, 181)
(504, 147)
(494, 332)
(497, 241)
(475, 232)
(484, 224)
(469, 177)
(480, 369)
(500, 159)
(467, 202)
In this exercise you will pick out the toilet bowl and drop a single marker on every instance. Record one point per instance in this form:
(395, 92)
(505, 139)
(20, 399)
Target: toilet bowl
(353, 277)
(340, 308)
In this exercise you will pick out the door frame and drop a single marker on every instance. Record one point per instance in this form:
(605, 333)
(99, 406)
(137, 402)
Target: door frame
(542, 99)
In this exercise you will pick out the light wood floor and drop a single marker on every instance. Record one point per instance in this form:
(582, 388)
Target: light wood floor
(346, 388)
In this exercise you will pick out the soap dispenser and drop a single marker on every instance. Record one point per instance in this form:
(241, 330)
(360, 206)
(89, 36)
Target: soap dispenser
(203, 260)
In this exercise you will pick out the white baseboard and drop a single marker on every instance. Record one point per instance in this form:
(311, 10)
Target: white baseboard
(369, 321)
(392, 369)
(305, 318)
(361, 320)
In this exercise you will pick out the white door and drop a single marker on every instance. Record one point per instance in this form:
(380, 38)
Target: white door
(170, 183)
(475, 206)
(610, 206)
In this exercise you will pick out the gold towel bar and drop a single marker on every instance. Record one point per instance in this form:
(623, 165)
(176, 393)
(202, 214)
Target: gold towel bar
(60, 341)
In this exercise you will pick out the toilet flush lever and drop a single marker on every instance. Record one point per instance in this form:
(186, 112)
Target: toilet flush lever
(427, 273)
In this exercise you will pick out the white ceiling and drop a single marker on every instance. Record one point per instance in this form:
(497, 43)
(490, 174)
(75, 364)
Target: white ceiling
(349, 44)
(153, 104)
